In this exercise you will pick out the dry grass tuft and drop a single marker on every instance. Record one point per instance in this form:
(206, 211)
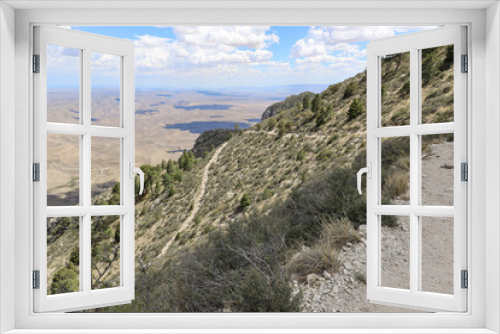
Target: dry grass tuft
(397, 183)
(324, 255)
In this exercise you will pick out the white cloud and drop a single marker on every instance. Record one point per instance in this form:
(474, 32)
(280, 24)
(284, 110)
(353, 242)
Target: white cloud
(324, 59)
(235, 36)
(335, 47)
(208, 51)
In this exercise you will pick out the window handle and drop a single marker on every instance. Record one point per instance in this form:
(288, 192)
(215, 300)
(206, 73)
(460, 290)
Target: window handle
(135, 170)
(368, 171)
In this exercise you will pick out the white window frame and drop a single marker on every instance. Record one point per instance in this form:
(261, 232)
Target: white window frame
(86, 43)
(415, 297)
(483, 311)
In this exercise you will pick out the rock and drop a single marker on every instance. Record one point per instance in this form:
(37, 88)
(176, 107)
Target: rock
(312, 278)
(348, 265)
(289, 102)
(208, 138)
(362, 228)
(327, 275)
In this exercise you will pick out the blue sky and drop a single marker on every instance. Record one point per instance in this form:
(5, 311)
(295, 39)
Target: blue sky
(216, 57)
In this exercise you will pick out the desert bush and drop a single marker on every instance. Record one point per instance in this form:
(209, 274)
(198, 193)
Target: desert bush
(271, 123)
(350, 89)
(322, 256)
(316, 104)
(245, 201)
(400, 117)
(301, 155)
(65, 280)
(360, 277)
(259, 293)
(356, 108)
(338, 232)
(267, 194)
(305, 102)
(198, 219)
(396, 184)
(383, 92)
(431, 65)
(405, 89)
(325, 155)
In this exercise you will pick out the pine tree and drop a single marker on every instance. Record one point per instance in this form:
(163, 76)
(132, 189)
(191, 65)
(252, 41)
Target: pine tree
(316, 104)
(355, 109)
(322, 117)
(305, 102)
(170, 166)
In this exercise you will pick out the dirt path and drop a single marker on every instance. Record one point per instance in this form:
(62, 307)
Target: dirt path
(289, 134)
(197, 199)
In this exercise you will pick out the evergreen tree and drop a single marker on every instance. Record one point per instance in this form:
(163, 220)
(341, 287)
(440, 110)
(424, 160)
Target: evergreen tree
(316, 104)
(305, 102)
(355, 109)
(171, 167)
(350, 89)
(163, 164)
(323, 116)
(182, 160)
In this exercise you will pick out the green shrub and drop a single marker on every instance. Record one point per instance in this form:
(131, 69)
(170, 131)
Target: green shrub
(350, 89)
(301, 155)
(360, 277)
(383, 91)
(65, 280)
(316, 104)
(271, 123)
(259, 293)
(197, 219)
(267, 194)
(305, 102)
(245, 201)
(405, 89)
(356, 108)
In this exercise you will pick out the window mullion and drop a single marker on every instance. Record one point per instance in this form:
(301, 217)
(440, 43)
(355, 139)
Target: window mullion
(86, 252)
(414, 170)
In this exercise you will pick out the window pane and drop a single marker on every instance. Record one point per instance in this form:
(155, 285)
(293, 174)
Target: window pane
(63, 170)
(63, 255)
(395, 170)
(105, 171)
(437, 84)
(63, 84)
(105, 252)
(395, 252)
(395, 89)
(437, 254)
(437, 169)
(105, 89)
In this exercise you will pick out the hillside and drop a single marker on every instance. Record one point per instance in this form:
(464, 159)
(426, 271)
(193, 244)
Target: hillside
(230, 227)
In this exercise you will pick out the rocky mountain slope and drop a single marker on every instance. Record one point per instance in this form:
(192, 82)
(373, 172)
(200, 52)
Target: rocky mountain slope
(243, 221)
